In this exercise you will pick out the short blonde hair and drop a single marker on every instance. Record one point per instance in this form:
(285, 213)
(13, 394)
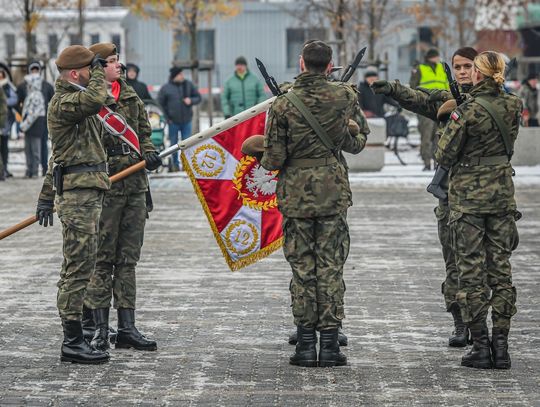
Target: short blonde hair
(491, 64)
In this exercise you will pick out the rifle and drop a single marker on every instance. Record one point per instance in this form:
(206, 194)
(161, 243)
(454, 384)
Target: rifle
(270, 81)
(454, 87)
(352, 67)
(510, 66)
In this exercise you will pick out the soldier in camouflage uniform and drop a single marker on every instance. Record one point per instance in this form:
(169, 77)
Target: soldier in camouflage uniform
(80, 179)
(121, 226)
(313, 195)
(435, 105)
(476, 146)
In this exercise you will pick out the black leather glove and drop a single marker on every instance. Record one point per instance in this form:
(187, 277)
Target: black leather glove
(98, 61)
(153, 160)
(382, 86)
(123, 68)
(44, 212)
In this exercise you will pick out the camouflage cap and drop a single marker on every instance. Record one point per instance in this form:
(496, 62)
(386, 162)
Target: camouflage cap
(104, 49)
(446, 108)
(254, 146)
(74, 57)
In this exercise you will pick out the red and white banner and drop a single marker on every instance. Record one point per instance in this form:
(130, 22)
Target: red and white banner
(237, 194)
(117, 126)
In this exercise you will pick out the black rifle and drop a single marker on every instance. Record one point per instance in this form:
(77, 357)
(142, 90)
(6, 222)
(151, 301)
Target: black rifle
(270, 81)
(441, 174)
(352, 67)
(454, 87)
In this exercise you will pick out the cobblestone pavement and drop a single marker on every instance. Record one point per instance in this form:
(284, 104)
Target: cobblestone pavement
(222, 335)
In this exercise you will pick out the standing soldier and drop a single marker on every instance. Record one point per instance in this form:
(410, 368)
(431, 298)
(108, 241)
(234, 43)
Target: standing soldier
(429, 75)
(80, 179)
(306, 130)
(121, 226)
(477, 145)
(436, 105)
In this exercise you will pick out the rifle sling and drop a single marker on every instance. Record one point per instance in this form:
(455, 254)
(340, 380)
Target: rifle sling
(503, 128)
(312, 121)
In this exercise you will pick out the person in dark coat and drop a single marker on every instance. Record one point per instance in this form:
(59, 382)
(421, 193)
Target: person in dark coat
(10, 91)
(35, 68)
(177, 97)
(372, 104)
(132, 78)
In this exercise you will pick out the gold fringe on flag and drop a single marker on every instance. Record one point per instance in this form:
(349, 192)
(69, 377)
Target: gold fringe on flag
(244, 261)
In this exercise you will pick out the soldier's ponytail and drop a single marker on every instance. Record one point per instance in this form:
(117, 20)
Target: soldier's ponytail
(491, 64)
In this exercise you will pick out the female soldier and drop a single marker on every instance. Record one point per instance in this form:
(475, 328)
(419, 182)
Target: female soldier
(477, 145)
(429, 103)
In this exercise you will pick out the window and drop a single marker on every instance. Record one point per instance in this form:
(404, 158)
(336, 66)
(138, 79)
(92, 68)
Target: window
(33, 44)
(94, 39)
(296, 38)
(110, 3)
(10, 44)
(205, 45)
(53, 45)
(116, 39)
(75, 39)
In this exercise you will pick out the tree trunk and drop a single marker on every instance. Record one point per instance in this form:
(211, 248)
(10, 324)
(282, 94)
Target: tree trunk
(372, 32)
(194, 59)
(28, 29)
(81, 21)
(340, 33)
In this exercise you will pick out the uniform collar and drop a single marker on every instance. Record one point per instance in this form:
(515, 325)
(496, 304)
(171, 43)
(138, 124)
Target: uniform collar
(310, 78)
(486, 86)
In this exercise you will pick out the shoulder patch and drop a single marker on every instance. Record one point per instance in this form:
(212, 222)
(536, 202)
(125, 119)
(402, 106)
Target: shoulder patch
(455, 116)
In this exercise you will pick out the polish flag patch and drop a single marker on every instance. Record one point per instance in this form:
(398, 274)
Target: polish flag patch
(455, 116)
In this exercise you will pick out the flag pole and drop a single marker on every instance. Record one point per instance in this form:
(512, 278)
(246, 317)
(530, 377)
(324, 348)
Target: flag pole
(184, 144)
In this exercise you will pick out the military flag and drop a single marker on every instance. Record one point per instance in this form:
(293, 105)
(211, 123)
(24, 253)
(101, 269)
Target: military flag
(237, 194)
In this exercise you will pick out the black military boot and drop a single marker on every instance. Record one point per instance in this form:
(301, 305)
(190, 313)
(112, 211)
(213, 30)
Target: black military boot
(101, 336)
(128, 336)
(306, 348)
(479, 356)
(329, 353)
(74, 347)
(342, 338)
(88, 324)
(460, 336)
(499, 349)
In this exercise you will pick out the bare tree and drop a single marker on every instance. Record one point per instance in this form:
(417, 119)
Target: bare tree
(186, 16)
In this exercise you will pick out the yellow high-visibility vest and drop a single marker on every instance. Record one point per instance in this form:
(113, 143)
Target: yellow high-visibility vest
(430, 79)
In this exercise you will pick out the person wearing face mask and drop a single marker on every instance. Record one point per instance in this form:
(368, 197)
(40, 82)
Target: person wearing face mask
(436, 105)
(123, 218)
(47, 90)
(33, 123)
(476, 147)
(74, 184)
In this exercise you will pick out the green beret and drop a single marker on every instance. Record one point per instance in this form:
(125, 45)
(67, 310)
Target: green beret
(104, 49)
(74, 57)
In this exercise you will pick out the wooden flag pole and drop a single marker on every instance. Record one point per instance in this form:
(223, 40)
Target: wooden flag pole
(184, 144)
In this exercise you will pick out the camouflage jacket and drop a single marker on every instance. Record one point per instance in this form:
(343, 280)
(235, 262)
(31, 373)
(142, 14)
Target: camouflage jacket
(131, 108)
(76, 133)
(471, 132)
(425, 102)
(321, 190)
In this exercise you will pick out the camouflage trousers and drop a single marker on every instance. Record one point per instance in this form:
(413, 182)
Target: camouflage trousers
(121, 232)
(79, 211)
(449, 287)
(316, 249)
(483, 246)
(427, 129)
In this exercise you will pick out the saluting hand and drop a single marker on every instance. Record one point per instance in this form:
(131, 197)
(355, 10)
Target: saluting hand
(98, 61)
(382, 86)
